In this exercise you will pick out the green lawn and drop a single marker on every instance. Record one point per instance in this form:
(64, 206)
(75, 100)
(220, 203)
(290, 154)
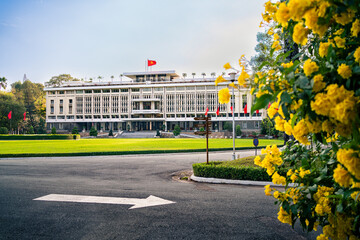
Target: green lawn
(119, 145)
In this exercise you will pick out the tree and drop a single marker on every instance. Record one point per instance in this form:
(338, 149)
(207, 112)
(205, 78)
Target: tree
(3, 83)
(56, 81)
(100, 77)
(31, 130)
(262, 49)
(177, 130)
(228, 126)
(238, 130)
(111, 132)
(75, 130)
(32, 96)
(9, 103)
(193, 74)
(41, 129)
(112, 78)
(4, 130)
(53, 130)
(184, 75)
(93, 131)
(203, 74)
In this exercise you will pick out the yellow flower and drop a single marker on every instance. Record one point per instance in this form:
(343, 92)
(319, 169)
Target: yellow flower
(339, 32)
(340, 42)
(344, 17)
(283, 14)
(327, 126)
(232, 85)
(318, 83)
(311, 18)
(284, 217)
(243, 77)
(276, 46)
(224, 96)
(288, 128)
(357, 55)
(277, 179)
(303, 172)
(301, 131)
(323, 49)
(321, 105)
(322, 8)
(268, 190)
(227, 66)
(355, 28)
(287, 65)
(270, 32)
(257, 161)
(344, 71)
(342, 177)
(350, 159)
(219, 79)
(273, 109)
(310, 67)
(322, 237)
(279, 124)
(276, 37)
(297, 8)
(300, 34)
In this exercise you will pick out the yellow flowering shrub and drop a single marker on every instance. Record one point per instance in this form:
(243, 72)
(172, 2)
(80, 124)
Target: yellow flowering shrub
(312, 89)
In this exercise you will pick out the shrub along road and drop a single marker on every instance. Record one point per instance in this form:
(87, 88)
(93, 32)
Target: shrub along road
(200, 211)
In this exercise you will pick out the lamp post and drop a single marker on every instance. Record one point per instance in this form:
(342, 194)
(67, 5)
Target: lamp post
(232, 79)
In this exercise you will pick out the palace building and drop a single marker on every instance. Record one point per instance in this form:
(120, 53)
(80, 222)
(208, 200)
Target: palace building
(146, 101)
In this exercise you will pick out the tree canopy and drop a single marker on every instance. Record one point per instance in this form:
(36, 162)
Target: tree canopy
(56, 81)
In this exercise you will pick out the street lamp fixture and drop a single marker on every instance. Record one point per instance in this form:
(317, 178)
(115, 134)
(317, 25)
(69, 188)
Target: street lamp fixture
(232, 79)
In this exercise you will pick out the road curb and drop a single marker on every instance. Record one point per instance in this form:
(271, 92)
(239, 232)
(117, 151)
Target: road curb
(237, 182)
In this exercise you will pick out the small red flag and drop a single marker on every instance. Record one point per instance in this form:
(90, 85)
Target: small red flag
(9, 115)
(218, 111)
(207, 110)
(269, 105)
(232, 110)
(24, 116)
(151, 62)
(245, 109)
(257, 111)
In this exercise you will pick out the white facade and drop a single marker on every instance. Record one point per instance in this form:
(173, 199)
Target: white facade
(148, 101)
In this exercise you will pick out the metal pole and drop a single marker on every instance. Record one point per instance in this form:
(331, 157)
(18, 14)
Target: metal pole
(233, 119)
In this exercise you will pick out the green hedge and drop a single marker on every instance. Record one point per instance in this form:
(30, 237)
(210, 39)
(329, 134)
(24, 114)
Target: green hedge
(216, 170)
(40, 137)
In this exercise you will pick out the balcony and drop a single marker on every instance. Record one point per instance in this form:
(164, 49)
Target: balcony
(147, 111)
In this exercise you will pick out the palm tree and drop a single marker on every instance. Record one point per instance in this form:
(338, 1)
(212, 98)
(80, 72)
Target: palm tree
(184, 75)
(203, 74)
(193, 74)
(213, 74)
(121, 77)
(100, 77)
(90, 79)
(112, 77)
(3, 83)
(223, 73)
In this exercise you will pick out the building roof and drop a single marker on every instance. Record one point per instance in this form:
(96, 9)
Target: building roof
(133, 75)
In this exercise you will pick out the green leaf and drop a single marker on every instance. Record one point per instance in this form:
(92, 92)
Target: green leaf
(356, 69)
(261, 102)
(285, 97)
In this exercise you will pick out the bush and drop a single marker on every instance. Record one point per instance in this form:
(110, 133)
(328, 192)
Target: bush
(177, 130)
(31, 130)
(228, 126)
(157, 133)
(93, 131)
(53, 130)
(4, 130)
(75, 130)
(238, 130)
(40, 137)
(216, 170)
(111, 133)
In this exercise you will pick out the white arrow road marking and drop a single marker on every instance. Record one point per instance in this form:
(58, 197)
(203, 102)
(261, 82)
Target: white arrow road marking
(137, 202)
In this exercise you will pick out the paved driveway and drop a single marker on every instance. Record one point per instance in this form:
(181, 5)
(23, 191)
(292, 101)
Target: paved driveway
(200, 211)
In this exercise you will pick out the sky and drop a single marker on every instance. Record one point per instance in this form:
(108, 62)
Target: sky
(91, 38)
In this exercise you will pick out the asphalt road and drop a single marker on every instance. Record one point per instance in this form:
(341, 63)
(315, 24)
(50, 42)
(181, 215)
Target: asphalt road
(201, 211)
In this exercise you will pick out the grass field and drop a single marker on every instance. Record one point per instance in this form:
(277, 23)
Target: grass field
(120, 145)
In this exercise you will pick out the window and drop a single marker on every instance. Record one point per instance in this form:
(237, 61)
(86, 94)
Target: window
(200, 88)
(52, 93)
(180, 89)
(124, 90)
(114, 90)
(257, 124)
(135, 90)
(79, 104)
(106, 90)
(69, 92)
(61, 106)
(79, 91)
(52, 107)
(70, 106)
(158, 89)
(97, 91)
(70, 117)
(244, 125)
(61, 92)
(146, 90)
(169, 89)
(88, 91)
